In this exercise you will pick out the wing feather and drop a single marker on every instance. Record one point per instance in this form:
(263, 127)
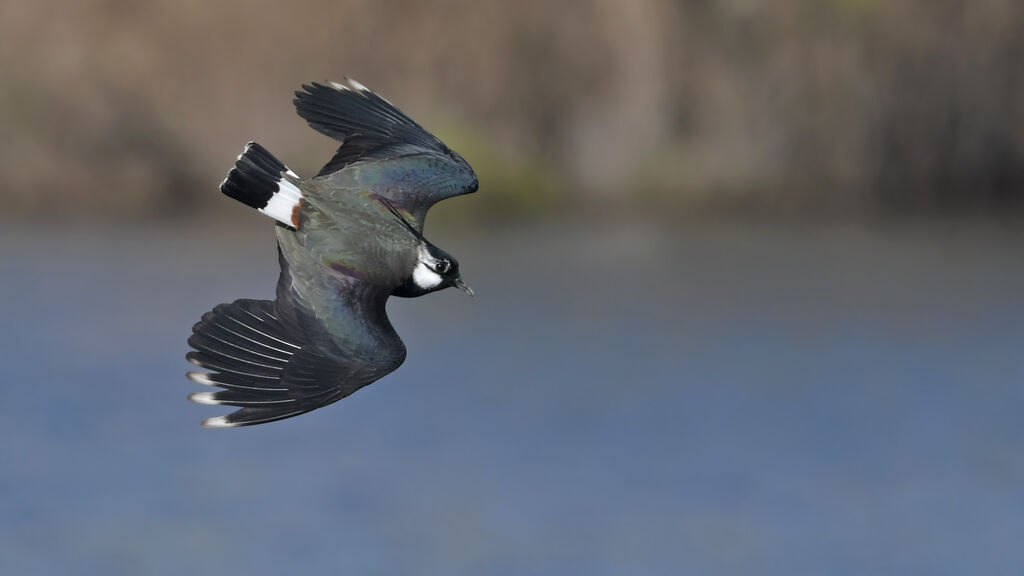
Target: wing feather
(277, 359)
(383, 149)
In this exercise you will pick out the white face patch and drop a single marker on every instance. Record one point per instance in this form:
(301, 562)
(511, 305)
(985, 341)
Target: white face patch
(424, 275)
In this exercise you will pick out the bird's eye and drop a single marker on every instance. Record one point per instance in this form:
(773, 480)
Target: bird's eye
(443, 266)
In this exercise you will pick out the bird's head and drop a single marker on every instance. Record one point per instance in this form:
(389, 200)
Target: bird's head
(435, 270)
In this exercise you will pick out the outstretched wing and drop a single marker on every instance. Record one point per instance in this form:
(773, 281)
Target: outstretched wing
(382, 149)
(278, 359)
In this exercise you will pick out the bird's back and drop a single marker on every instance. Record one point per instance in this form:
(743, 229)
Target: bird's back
(349, 232)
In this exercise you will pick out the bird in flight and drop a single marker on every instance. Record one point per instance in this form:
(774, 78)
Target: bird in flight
(347, 239)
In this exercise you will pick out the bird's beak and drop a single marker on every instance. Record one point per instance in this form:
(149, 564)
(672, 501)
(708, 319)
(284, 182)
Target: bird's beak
(460, 284)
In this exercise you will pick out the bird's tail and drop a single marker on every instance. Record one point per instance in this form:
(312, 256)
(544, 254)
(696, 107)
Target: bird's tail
(265, 183)
(248, 349)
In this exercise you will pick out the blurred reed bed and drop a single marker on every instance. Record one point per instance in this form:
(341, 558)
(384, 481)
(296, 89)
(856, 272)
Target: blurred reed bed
(808, 106)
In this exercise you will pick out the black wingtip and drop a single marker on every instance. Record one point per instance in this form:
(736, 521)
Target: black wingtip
(246, 349)
(248, 417)
(366, 124)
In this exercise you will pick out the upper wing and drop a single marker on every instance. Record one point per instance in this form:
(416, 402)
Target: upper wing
(382, 149)
(321, 340)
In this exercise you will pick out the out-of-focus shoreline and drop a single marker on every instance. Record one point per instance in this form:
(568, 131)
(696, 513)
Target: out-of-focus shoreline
(807, 108)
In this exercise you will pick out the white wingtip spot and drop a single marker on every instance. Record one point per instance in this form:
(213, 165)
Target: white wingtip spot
(339, 86)
(200, 378)
(217, 422)
(355, 84)
(204, 398)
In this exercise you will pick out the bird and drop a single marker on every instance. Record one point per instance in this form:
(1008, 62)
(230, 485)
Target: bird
(348, 238)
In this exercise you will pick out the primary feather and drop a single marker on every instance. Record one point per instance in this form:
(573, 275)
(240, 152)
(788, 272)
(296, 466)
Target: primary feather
(382, 149)
(368, 126)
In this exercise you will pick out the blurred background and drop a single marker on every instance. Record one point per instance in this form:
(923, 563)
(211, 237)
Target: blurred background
(749, 277)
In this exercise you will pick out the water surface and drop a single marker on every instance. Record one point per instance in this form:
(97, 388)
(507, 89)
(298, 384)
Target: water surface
(624, 399)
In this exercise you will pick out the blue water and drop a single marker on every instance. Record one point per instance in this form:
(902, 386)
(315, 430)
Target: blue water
(627, 399)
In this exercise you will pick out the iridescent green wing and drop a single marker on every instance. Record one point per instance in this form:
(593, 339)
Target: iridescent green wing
(383, 151)
(353, 234)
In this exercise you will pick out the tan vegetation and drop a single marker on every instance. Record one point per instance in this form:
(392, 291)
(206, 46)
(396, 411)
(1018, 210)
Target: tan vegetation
(809, 105)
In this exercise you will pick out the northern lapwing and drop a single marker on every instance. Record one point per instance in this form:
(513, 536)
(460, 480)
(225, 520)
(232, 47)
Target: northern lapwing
(347, 238)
